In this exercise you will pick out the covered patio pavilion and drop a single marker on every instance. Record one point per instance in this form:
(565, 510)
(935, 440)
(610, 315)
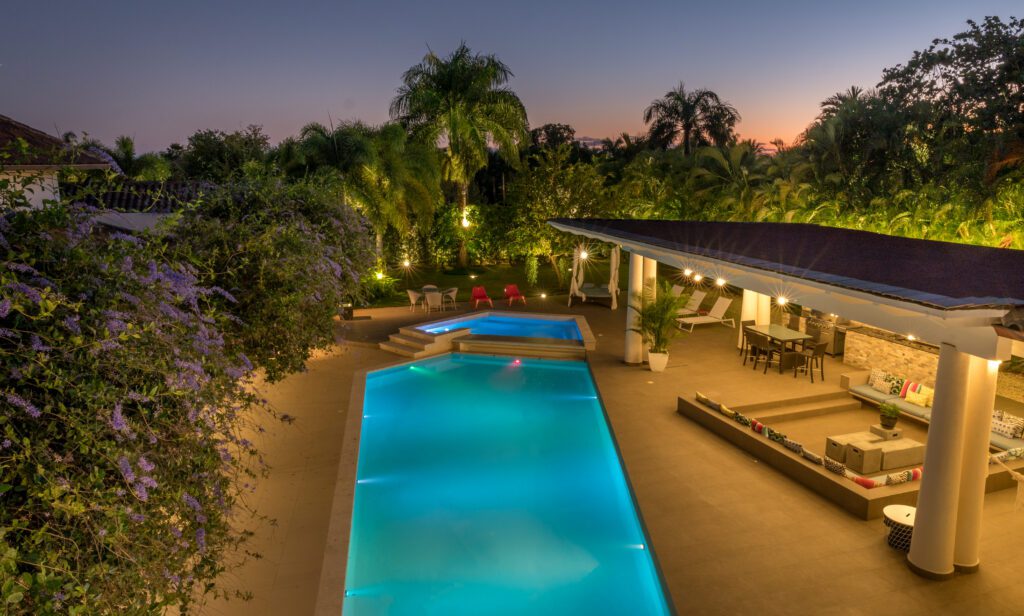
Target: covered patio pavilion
(967, 300)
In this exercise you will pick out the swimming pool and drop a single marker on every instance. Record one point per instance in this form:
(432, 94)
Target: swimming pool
(491, 485)
(500, 325)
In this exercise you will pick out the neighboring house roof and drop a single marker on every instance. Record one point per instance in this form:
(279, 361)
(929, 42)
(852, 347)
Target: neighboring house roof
(131, 222)
(133, 196)
(939, 275)
(42, 151)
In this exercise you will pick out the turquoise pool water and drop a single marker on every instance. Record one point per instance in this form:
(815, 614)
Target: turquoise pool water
(492, 486)
(497, 325)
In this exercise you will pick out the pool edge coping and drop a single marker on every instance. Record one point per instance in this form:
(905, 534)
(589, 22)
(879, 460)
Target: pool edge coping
(587, 338)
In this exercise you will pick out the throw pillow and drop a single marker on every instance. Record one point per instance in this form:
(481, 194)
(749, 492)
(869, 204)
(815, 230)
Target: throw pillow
(877, 380)
(813, 457)
(728, 412)
(1005, 428)
(1016, 421)
(834, 466)
(895, 384)
(900, 477)
(930, 393)
(909, 386)
(867, 482)
(916, 397)
(707, 401)
(792, 445)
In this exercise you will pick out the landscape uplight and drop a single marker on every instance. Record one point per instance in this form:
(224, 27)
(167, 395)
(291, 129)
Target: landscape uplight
(911, 337)
(465, 222)
(406, 263)
(543, 295)
(380, 275)
(472, 276)
(584, 254)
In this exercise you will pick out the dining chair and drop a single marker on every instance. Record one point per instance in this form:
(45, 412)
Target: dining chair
(449, 296)
(415, 297)
(813, 356)
(743, 343)
(759, 345)
(434, 301)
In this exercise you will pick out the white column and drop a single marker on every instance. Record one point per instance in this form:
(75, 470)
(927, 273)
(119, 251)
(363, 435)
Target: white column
(650, 284)
(764, 309)
(981, 396)
(634, 342)
(931, 550)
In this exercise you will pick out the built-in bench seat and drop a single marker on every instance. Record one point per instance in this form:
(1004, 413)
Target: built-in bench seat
(857, 384)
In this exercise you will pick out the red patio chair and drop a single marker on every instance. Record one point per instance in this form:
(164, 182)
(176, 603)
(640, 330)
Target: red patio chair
(512, 294)
(480, 295)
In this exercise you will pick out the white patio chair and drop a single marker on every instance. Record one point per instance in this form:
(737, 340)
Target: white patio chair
(693, 304)
(715, 315)
(415, 297)
(450, 295)
(434, 301)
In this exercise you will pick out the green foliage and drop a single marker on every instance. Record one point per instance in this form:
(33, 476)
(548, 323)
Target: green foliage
(218, 156)
(695, 118)
(530, 266)
(889, 410)
(656, 316)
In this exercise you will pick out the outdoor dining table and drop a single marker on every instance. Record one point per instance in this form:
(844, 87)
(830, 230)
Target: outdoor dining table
(786, 337)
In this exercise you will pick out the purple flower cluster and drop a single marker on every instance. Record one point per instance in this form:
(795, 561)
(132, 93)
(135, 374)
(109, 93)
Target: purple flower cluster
(23, 404)
(71, 323)
(30, 292)
(5, 307)
(191, 502)
(38, 345)
(126, 469)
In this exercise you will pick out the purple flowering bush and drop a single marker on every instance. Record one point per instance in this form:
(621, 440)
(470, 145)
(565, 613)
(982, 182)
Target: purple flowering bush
(121, 413)
(281, 258)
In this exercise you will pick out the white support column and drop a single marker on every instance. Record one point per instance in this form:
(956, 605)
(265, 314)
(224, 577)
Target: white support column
(757, 307)
(931, 550)
(650, 285)
(634, 342)
(981, 396)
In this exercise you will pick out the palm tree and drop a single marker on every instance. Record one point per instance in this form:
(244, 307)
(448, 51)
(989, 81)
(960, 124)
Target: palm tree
(462, 102)
(397, 180)
(697, 117)
(843, 100)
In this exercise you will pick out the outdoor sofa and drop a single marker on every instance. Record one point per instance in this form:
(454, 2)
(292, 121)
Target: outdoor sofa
(857, 384)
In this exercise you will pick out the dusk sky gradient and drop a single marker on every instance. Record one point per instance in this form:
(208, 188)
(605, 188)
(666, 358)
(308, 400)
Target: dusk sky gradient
(158, 71)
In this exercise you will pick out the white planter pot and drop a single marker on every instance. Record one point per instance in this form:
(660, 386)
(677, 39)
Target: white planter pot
(657, 361)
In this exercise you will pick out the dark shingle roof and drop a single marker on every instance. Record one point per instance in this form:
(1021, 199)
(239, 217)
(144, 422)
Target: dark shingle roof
(26, 147)
(941, 275)
(135, 196)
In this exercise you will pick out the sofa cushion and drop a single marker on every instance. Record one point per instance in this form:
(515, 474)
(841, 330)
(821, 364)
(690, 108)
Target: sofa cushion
(876, 379)
(908, 387)
(928, 391)
(866, 391)
(922, 412)
(895, 384)
(916, 397)
(1005, 443)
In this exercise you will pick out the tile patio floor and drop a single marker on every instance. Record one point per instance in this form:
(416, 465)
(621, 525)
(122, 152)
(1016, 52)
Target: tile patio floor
(732, 535)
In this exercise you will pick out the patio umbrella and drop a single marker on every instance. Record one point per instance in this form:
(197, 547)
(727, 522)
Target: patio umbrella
(576, 279)
(613, 276)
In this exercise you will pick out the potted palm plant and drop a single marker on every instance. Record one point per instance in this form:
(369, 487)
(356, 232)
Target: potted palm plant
(656, 322)
(889, 414)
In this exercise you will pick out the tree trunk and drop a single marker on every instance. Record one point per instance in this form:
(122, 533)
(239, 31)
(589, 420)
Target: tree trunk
(686, 140)
(463, 203)
(553, 259)
(380, 247)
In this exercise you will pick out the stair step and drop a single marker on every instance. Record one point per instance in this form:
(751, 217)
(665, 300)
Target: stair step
(808, 409)
(412, 332)
(757, 407)
(409, 341)
(400, 349)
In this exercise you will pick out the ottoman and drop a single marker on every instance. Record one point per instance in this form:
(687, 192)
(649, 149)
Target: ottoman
(835, 446)
(901, 452)
(863, 457)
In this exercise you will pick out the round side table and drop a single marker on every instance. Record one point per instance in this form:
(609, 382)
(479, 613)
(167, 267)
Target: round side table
(900, 520)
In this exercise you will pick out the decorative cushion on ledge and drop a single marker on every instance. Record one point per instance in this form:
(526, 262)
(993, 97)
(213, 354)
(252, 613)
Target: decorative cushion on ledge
(792, 445)
(896, 478)
(777, 436)
(728, 412)
(756, 426)
(707, 401)
(1005, 456)
(742, 419)
(811, 456)
(895, 383)
(834, 466)
(917, 398)
(867, 482)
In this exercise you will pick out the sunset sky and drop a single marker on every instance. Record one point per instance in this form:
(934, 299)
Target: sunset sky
(158, 71)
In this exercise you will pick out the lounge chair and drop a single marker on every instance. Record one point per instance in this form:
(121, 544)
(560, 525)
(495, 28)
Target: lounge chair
(434, 301)
(715, 315)
(512, 294)
(677, 290)
(480, 295)
(415, 297)
(449, 295)
(692, 305)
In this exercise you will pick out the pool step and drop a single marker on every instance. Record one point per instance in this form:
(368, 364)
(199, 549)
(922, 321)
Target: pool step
(410, 342)
(412, 332)
(401, 349)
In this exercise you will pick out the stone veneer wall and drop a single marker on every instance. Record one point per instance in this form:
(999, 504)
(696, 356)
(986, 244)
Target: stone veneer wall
(915, 361)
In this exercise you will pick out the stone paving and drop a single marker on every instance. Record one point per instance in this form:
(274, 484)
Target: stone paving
(732, 536)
